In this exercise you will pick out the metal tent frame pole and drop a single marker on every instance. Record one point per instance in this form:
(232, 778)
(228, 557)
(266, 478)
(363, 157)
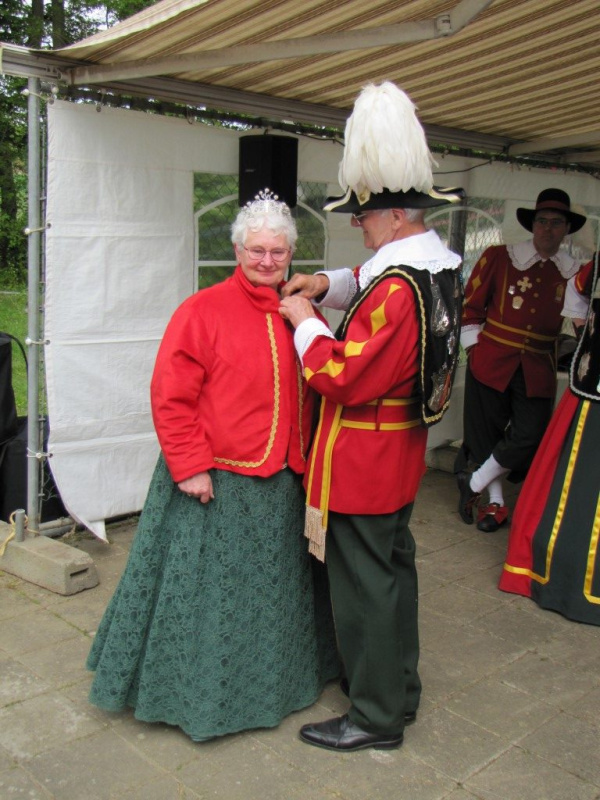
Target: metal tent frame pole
(34, 234)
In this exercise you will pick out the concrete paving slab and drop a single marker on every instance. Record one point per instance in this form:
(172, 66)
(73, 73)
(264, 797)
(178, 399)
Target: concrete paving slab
(78, 694)
(288, 747)
(12, 603)
(34, 630)
(457, 602)
(575, 645)
(84, 611)
(515, 625)
(433, 539)
(159, 790)
(6, 760)
(518, 774)
(462, 794)
(16, 783)
(444, 678)
(455, 746)
(493, 705)
(569, 743)
(588, 707)
(40, 723)
(97, 767)
(59, 664)
(246, 769)
(468, 644)
(37, 594)
(399, 775)
(558, 684)
(464, 558)
(486, 582)
(510, 693)
(18, 682)
(164, 745)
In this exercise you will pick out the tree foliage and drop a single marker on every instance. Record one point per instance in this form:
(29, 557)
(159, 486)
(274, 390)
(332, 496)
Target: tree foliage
(38, 24)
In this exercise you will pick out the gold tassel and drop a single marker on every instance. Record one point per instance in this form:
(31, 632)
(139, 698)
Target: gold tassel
(315, 532)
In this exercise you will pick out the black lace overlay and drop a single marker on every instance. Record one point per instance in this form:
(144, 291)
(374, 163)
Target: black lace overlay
(438, 300)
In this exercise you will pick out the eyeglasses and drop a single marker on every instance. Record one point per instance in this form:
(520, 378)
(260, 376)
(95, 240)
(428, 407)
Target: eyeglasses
(549, 223)
(360, 218)
(258, 253)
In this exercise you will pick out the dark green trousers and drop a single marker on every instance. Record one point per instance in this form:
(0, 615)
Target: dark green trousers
(373, 579)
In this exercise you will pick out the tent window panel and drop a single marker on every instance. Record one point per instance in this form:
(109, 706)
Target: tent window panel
(468, 230)
(215, 209)
(208, 276)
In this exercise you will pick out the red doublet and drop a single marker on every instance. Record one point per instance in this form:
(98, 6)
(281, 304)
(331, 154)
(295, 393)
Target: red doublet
(227, 391)
(520, 311)
(583, 279)
(368, 451)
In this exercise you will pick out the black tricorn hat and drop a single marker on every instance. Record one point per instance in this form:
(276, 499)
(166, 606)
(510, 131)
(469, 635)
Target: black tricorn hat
(350, 204)
(551, 200)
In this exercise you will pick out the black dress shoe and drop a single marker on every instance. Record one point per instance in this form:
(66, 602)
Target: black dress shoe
(468, 498)
(409, 716)
(341, 734)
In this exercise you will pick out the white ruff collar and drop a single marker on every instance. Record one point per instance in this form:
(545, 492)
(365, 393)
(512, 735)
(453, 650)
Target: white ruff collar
(524, 255)
(423, 251)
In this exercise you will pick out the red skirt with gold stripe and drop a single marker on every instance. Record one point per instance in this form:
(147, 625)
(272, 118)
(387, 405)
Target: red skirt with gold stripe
(553, 550)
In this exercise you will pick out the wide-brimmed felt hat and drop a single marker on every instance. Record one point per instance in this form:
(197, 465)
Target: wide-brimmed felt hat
(552, 200)
(386, 162)
(350, 203)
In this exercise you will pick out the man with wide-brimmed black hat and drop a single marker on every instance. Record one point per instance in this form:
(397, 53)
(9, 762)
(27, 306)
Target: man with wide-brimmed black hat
(384, 377)
(510, 324)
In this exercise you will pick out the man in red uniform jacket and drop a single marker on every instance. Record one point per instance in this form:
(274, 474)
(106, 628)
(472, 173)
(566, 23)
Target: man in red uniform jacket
(510, 324)
(384, 377)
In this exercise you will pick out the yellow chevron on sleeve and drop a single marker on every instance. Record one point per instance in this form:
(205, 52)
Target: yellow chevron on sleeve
(378, 320)
(331, 367)
(351, 348)
(475, 284)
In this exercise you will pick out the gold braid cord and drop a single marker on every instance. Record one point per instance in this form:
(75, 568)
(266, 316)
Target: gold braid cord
(276, 403)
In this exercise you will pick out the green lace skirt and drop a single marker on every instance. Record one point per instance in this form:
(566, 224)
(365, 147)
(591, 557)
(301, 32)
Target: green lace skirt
(221, 621)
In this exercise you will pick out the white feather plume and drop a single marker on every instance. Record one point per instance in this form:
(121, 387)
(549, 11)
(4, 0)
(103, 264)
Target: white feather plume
(385, 144)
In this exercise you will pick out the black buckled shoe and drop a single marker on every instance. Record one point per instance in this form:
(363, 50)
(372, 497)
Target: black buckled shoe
(341, 734)
(409, 716)
(468, 498)
(492, 517)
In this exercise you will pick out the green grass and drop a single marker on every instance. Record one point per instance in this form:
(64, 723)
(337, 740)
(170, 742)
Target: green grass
(13, 320)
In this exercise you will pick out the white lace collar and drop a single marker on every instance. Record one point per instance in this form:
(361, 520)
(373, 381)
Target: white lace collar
(423, 251)
(524, 255)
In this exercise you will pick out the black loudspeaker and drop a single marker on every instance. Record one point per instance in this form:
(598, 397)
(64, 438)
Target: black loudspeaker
(8, 409)
(13, 478)
(268, 162)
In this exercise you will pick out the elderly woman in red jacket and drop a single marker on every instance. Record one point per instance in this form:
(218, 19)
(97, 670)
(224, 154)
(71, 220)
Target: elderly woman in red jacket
(221, 622)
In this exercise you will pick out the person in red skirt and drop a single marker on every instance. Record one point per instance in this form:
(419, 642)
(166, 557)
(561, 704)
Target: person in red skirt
(553, 554)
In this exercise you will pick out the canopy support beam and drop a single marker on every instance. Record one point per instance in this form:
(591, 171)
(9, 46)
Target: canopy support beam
(556, 143)
(443, 25)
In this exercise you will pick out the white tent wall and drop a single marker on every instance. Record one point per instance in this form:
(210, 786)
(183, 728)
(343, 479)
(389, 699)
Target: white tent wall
(120, 258)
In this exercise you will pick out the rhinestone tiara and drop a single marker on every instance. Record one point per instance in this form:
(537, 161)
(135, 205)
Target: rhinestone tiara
(265, 202)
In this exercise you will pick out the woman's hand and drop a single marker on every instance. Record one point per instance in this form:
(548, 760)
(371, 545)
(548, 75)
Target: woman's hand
(199, 486)
(296, 309)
